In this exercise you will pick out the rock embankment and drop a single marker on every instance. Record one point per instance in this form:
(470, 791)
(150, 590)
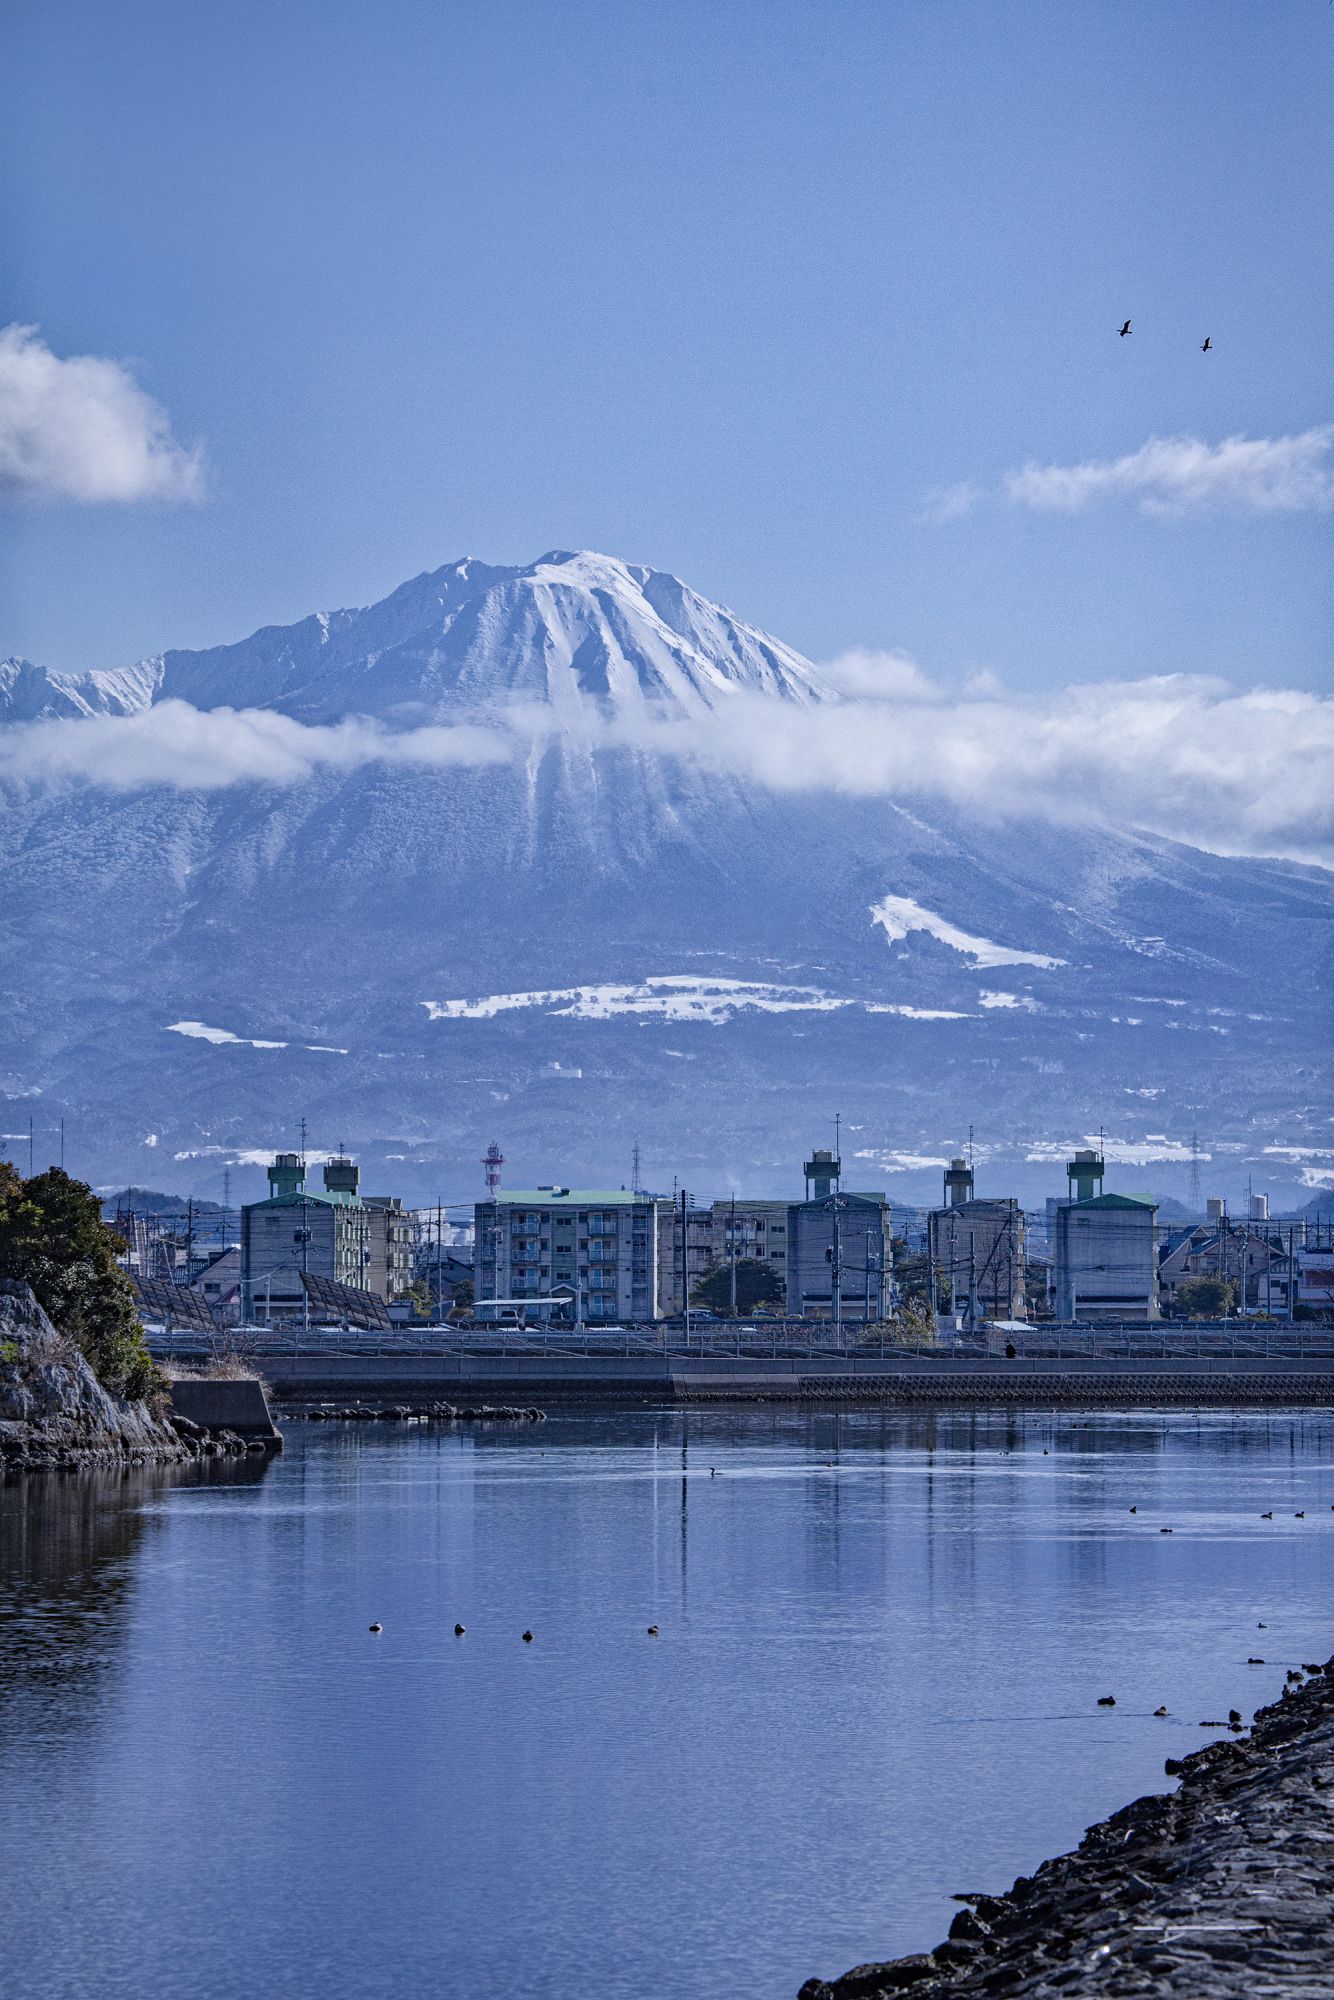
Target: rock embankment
(54, 1412)
(1222, 1887)
(403, 1413)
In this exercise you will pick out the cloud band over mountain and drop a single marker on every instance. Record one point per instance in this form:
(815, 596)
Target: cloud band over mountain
(1186, 757)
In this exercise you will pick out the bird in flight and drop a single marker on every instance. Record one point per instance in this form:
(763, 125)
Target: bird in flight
(1125, 329)
(1208, 343)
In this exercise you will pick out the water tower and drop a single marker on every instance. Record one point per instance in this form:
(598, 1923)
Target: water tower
(958, 1183)
(822, 1172)
(1084, 1174)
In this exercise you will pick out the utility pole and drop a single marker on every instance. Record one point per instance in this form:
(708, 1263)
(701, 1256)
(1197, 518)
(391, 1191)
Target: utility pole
(29, 1145)
(836, 1268)
(685, 1267)
(732, 1239)
(62, 1145)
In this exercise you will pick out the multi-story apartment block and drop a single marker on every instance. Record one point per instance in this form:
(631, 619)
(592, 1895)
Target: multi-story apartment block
(714, 1236)
(328, 1232)
(600, 1247)
(840, 1257)
(976, 1251)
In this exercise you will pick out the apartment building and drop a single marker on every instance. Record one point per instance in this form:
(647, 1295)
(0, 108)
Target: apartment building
(598, 1245)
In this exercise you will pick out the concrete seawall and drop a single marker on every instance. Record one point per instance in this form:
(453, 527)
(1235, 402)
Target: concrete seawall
(906, 1380)
(225, 1405)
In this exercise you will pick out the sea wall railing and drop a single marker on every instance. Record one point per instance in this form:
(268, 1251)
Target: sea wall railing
(1220, 1341)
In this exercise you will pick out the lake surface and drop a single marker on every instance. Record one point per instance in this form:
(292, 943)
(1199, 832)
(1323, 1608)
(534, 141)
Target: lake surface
(882, 1640)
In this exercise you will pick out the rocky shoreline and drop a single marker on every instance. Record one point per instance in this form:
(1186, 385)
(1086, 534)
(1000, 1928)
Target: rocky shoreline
(55, 1414)
(1222, 1887)
(405, 1413)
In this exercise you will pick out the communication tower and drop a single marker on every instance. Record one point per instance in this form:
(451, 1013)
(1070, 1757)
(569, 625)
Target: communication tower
(1194, 1191)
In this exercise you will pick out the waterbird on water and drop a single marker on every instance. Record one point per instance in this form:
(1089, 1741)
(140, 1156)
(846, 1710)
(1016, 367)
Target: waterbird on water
(1254, 1662)
(1234, 1715)
(459, 1631)
(1160, 1711)
(1269, 1516)
(1106, 1701)
(377, 1628)
(652, 1631)
(527, 1638)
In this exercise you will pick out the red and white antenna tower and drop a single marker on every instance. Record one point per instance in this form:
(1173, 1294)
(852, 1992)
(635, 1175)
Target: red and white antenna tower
(493, 1161)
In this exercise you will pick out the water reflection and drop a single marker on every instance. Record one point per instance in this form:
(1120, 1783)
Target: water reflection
(882, 1636)
(68, 1544)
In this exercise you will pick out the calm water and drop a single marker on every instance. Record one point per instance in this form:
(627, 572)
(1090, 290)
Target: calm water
(882, 1641)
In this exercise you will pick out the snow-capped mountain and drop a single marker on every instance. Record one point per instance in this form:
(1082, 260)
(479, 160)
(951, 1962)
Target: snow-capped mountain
(601, 942)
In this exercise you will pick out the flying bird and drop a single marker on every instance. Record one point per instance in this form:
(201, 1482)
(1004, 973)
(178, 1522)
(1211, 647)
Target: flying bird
(1125, 329)
(1208, 343)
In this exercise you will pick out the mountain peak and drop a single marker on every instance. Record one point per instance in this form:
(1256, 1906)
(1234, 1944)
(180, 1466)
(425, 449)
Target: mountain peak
(575, 626)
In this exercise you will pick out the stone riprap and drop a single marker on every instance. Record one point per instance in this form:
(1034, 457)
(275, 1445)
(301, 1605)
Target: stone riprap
(54, 1412)
(437, 1413)
(1224, 1886)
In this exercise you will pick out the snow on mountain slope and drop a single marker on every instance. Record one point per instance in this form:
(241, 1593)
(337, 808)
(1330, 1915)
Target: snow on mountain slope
(604, 943)
(565, 627)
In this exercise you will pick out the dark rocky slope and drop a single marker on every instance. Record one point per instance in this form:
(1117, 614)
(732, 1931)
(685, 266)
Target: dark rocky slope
(53, 1409)
(1224, 1886)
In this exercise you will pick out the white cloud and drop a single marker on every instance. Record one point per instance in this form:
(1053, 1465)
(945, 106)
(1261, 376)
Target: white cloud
(82, 429)
(1282, 475)
(949, 503)
(204, 749)
(879, 676)
(1186, 757)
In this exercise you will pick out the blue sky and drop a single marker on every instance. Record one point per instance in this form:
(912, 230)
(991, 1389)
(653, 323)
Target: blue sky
(732, 290)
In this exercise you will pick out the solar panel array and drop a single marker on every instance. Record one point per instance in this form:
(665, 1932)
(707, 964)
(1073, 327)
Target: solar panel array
(345, 1303)
(174, 1304)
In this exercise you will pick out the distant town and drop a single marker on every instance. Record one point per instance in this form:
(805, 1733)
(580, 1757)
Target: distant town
(320, 1253)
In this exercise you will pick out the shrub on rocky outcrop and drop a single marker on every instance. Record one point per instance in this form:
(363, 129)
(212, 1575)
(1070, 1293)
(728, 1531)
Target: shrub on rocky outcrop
(53, 1238)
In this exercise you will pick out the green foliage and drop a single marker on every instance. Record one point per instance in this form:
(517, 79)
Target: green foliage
(53, 1238)
(912, 1274)
(1205, 1298)
(10, 1352)
(756, 1285)
(913, 1325)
